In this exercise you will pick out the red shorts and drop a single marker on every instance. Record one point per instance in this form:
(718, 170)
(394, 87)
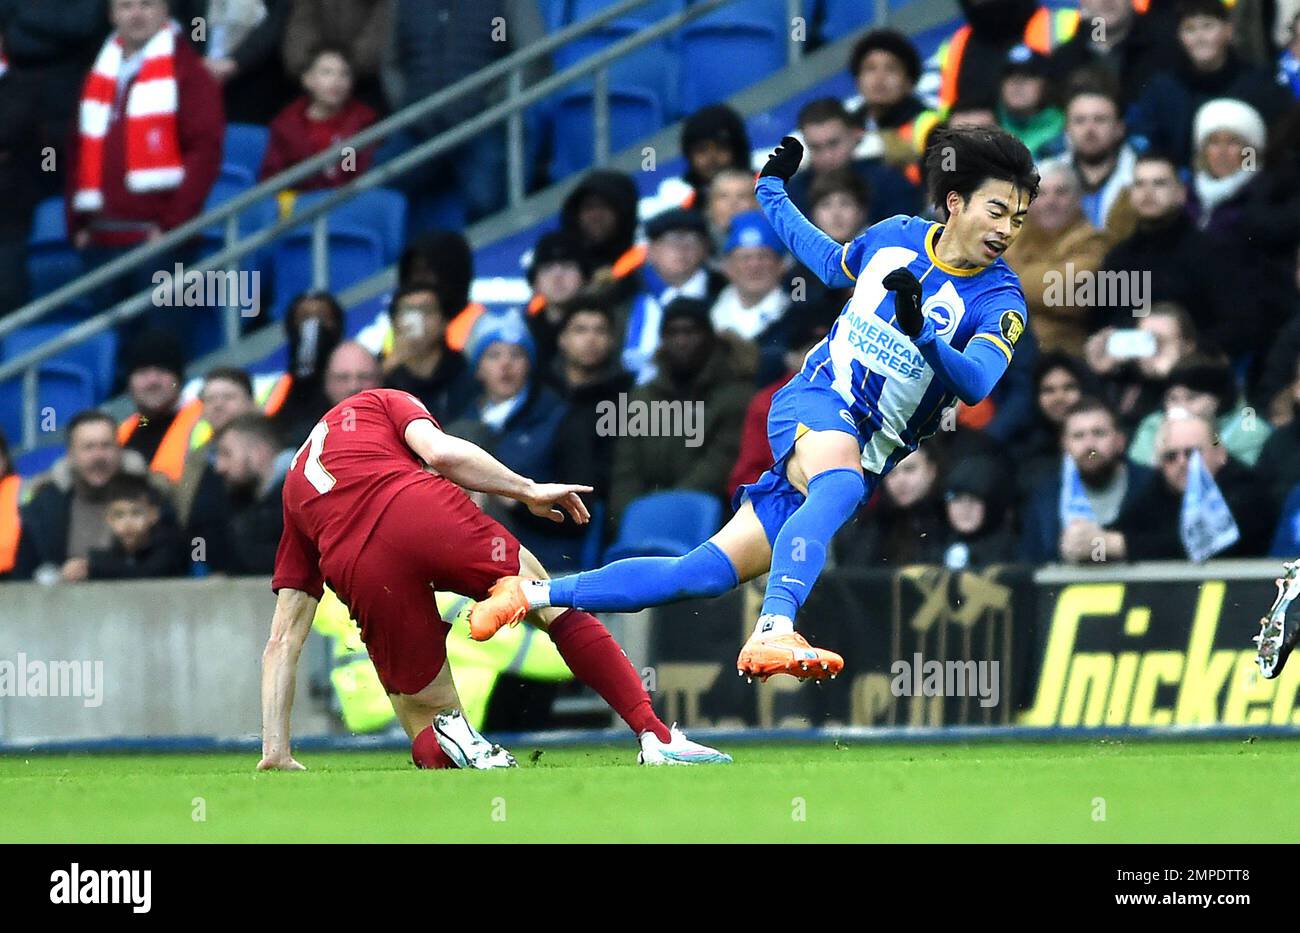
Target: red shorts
(429, 537)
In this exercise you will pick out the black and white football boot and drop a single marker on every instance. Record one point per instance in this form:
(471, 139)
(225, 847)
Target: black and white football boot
(1278, 634)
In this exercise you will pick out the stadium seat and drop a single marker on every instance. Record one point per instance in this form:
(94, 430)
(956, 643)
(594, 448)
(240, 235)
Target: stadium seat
(38, 460)
(95, 354)
(380, 211)
(842, 17)
(245, 146)
(719, 59)
(51, 260)
(651, 12)
(652, 69)
(354, 255)
(1286, 540)
(666, 524)
(237, 174)
(633, 115)
(63, 389)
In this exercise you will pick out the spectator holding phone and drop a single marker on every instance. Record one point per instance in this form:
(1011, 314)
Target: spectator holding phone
(1134, 363)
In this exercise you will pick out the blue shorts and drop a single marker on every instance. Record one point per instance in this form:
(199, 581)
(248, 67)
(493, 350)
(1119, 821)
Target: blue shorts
(797, 408)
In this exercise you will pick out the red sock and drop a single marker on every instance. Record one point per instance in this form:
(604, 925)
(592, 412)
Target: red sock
(427, 753)
(597, 660)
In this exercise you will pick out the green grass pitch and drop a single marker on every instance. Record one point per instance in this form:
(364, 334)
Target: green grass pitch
(1194, 791)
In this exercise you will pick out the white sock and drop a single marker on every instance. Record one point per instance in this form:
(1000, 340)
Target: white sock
(773, 625)
(538, 593)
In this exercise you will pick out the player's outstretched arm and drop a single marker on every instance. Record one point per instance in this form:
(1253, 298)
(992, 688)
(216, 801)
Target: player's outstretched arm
(813, 248)
(472, 467)
(294, 611)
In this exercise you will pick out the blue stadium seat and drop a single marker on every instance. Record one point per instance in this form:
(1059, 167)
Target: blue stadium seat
(51, 260)
(354, 255)
(236, 174)
(245, 146)
(666, 524)
(634, 115)
(96, 354)
(38, 460)
(719, 59)
(842, 17)
(64, 388)
(1286, 540)
(381, 211)
(649, 12)
(652, 69)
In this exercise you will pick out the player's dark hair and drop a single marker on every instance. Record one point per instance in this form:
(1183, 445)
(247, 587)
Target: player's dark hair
(840, 181)
(416, 287)
(1090, 404)
(1185, 9)
(89, 416)
(329, 48)
(130, 487)
(891, 41)
(823, 110)
(4, 456)
(256, 425)
(961, 160)
(230, 374)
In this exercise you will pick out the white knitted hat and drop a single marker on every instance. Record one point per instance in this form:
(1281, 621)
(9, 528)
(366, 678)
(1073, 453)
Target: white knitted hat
(1226, 113)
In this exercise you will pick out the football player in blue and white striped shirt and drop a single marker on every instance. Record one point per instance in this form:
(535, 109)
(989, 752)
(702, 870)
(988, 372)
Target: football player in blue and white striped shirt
(935, 316)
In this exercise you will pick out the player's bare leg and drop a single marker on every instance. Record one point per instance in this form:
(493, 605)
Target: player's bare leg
(441, 736)
(775, 647)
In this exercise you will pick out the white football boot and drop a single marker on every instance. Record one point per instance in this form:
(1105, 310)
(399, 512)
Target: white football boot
(678, 751)
(465, 746)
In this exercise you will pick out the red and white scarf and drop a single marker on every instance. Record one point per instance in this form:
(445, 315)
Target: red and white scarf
(153, 153)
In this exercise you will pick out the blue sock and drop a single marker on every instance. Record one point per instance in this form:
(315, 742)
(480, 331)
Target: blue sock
(799, 552)
(637, 582)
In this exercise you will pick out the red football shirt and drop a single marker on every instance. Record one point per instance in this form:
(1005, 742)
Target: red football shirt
(352, 465)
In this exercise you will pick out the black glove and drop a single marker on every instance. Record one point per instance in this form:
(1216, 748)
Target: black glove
(907, 300)
(784, 162)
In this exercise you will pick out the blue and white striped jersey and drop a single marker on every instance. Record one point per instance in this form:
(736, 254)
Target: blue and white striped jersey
(891, 392)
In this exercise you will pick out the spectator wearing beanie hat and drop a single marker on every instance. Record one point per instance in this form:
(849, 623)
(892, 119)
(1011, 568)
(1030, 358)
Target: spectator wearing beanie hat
(1207, 388)
(754, 304)
(515, 418)
(1229, 137)
(710, 381)
(558, 272)
(160, 429)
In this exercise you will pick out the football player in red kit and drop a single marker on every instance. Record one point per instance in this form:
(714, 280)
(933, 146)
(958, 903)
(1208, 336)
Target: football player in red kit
(373, 505)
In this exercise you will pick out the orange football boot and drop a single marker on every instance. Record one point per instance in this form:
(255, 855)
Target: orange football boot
(505, 605)
(765, 655)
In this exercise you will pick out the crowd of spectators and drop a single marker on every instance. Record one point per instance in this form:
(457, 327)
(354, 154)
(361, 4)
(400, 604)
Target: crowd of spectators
(1160, 263)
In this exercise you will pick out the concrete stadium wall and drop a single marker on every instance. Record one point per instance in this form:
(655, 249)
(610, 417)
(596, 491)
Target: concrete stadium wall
(178, 658)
